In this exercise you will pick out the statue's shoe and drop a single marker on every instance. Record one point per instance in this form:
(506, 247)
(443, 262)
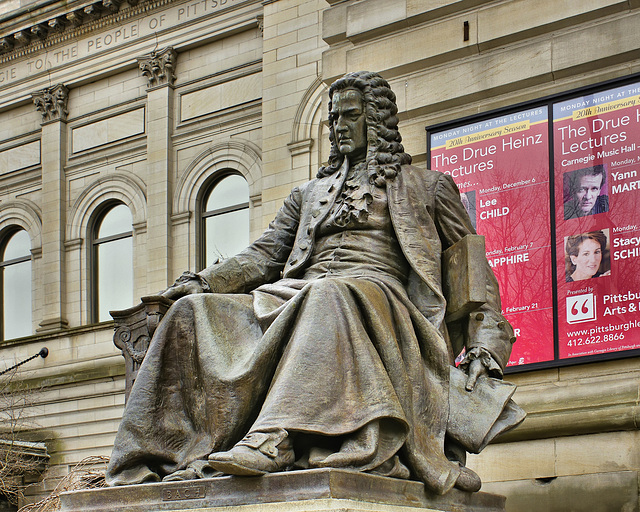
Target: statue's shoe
(468, 480)
(197, 469)
(256, 454)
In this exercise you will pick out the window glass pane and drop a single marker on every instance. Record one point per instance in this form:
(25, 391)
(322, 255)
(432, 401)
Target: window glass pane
(226, 234)
(16, 293)
(115, 276)
(229, 191)
(117, 220)
(19, 245)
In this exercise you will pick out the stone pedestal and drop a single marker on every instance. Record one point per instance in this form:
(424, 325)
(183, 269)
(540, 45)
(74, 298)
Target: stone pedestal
(315, 490)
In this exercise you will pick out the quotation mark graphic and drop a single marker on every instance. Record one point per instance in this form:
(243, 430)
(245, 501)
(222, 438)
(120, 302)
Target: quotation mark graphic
(581, 308)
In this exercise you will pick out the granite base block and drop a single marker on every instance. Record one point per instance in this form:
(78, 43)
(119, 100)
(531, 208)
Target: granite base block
(316, 490)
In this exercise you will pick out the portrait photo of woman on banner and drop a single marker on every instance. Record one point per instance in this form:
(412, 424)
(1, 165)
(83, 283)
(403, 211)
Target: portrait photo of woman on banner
(587, 255)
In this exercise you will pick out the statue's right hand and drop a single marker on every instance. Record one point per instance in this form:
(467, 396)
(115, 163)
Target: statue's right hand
(181, 289)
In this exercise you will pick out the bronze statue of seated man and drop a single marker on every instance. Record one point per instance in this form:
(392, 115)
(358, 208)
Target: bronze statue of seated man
(324, 343)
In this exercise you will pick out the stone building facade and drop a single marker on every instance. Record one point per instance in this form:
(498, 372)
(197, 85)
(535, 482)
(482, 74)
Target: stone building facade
(148, 103)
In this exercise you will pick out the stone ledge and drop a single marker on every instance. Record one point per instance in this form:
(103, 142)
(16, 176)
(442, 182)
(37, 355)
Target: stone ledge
(309, 490)
(594, 492)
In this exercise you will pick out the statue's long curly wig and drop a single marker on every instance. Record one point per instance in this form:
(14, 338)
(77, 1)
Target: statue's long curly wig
(385, 153)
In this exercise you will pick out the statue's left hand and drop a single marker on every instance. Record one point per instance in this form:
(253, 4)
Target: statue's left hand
(476, 369)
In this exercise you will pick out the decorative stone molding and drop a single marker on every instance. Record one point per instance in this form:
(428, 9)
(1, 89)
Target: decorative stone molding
(111, 5)
(22, 37)
(44, 30)
(57, 24)
(180, 218)
(65, 27)
(300, 147)
(256, 200)
(27, 215)
(159, 67)
(40, 31)
(75, 18)
(73, 245)
(238, 155)
(92, 12)
(5, 44)
(139, 228)
(125, 187)
(52, 103)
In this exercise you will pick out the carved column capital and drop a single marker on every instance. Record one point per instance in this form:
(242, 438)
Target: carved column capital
(159, 67)
(52, 103)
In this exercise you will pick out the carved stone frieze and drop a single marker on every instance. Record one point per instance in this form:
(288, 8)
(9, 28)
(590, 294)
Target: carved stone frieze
(159, 67)
(52, 103)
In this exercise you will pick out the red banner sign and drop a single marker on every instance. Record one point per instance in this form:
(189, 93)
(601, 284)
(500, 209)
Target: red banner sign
(597, 187)
(501, 166)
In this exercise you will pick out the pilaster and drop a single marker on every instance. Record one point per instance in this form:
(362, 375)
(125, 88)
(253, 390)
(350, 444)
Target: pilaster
(51, 103)
(159, 69)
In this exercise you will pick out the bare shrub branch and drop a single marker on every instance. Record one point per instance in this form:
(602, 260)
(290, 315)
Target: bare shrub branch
(87, 474)
(19, 458)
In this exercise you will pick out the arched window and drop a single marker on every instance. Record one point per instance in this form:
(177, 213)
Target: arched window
(225, 218)
(16, 285)
(112, 261)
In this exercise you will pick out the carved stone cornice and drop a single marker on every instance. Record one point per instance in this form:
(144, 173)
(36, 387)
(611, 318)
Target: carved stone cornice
(92, 12)
(75, 18)
(111, 5)
(6, 44)
(39, 31)
(64, 26)
(159, 67)
(52, 103)
(57, 24)
(22, 37)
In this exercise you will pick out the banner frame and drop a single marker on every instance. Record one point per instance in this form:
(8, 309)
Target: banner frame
(546, 102)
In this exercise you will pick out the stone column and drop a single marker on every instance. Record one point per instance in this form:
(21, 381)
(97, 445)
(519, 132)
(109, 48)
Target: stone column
(52, 105)
(159, 69)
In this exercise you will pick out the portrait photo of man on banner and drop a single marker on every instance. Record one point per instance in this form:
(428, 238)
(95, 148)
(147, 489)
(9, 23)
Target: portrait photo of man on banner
(584, 192)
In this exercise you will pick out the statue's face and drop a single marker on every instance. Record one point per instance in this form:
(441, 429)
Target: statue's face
(350, 126)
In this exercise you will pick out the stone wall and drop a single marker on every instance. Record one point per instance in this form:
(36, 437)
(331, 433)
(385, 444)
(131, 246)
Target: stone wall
(578, 448)
(150, 141)
(250, 95)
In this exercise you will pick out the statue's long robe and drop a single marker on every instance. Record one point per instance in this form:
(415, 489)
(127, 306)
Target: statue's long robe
(277, 346)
